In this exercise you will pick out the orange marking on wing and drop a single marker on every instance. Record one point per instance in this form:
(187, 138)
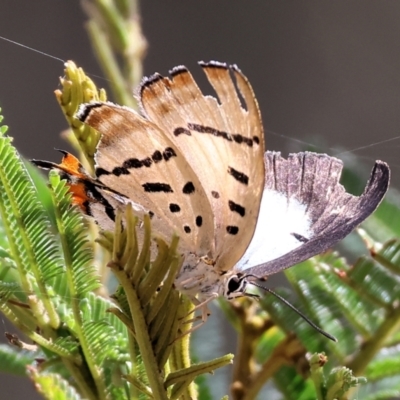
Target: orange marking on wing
(79, 195)
(71, 165)
(77, 179)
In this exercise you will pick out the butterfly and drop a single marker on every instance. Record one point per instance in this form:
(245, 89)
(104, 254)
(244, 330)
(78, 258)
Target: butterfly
(197, 164)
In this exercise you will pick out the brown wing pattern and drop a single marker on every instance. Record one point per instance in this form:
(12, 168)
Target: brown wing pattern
(135, 158)
(222, 141)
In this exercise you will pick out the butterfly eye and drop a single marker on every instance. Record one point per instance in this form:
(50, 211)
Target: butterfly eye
(235, 287)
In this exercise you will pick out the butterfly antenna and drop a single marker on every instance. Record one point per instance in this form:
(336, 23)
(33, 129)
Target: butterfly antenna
(283, 300)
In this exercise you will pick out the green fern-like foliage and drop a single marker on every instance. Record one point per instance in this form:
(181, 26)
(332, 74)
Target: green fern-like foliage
(136, 347)
(84, 345)
(358, 304)
(47, 285)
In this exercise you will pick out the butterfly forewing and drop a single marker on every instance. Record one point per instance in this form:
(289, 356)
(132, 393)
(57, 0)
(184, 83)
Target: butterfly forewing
(222, 141)
(135, 158)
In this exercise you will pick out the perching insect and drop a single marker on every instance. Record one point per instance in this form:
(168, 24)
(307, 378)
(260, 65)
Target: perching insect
(197, 164)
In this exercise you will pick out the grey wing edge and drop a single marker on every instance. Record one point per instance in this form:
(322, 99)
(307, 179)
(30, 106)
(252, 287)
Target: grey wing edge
(330, 229)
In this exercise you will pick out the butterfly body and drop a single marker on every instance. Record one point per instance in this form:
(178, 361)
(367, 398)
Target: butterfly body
(198, 277)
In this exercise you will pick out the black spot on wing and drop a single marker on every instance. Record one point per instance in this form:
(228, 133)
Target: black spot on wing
(101, 171)
(151, 214)
(239, 176)
(117, 171)
(168, 153)
(147, 162)
(188, 188)
(215, 194)
(256, 139)
(136, 163)
(242, 139)
(174, 208)
(157, 156)
(232, 230)
(199, 221)
(157, 187)
(235, 207)
(299, 237)
(181, 130)
(187, 229)
(133, 163)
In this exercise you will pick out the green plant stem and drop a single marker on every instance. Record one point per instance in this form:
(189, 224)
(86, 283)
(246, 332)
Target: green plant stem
(109, 64)
(180, 391)
(23, 314)
(116, 35)
(115, 22)
(154, 375)
(191, 372)
(125, 31)
(372, 346)
(143, 258)
(134, 371)
(316, 363)
(123, 317)
(80, 380)
(40, 340)
(180, 355)
(166, 355)
(139, 386)
(250, 329)
(282, 355)
(131, 249)
(383, 261)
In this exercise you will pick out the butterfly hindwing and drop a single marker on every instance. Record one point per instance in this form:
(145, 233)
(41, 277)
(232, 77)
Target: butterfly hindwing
(222, 140)
(308, 209)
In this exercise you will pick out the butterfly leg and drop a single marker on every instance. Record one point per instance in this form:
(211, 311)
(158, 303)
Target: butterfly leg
(205, 312)
(191, 283)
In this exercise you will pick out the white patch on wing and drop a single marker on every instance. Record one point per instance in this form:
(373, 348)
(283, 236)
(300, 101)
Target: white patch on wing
(278, 220)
